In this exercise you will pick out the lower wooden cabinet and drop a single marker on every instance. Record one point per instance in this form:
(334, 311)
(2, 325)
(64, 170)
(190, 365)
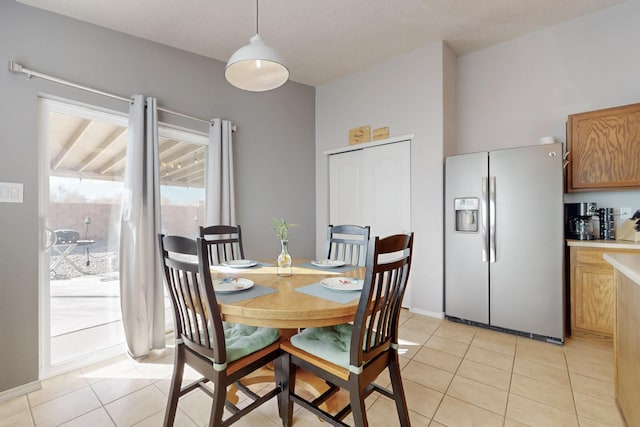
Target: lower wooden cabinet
(592, 291)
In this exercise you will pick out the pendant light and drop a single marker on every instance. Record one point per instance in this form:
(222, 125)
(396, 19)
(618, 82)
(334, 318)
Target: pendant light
(256, 67)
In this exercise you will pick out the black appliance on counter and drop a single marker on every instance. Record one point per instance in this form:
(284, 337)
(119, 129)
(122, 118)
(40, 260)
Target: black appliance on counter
(578, 220)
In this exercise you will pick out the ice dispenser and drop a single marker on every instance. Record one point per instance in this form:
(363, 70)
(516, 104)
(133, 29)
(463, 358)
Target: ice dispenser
(466, 210)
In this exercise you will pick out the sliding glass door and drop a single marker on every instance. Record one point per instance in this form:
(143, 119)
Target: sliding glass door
(83, 152)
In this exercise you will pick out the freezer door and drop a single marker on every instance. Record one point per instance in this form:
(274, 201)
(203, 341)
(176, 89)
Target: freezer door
(527, 288)
(466, 249)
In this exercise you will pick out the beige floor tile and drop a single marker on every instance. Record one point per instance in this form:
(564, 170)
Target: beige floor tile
(499, 342)
(424, 324)
(448, 346)
(550, 394)
(587, 350)
(156, 368)
(485, 374)
(540, 372)
(595, 369)
(108, 368)
(490, 358)
(110, 389)
(95, 418)
(65, 408)
(512, 423)
(427, 376)
(156, 420)
(136, 406)
(604, 411)
(536, 414)
(541, 352)
(19, 419)
(57, 386)
(420, 399)
(438, 359)
(436, 424)
(454, 412)
(411, 339)
(383, 413)
(408, 349)
(13, 406)
(586, 422)
(592, 387)
(478, 394)
(456, 331)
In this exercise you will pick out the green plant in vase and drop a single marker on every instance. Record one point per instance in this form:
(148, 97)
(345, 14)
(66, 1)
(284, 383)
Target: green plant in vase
(281, 227)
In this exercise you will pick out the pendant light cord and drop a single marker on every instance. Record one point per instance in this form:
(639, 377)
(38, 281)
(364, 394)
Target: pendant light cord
(257, 21)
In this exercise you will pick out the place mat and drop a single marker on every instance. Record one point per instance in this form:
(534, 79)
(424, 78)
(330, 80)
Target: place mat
(253, 292)
(317, 290)
(342, 269)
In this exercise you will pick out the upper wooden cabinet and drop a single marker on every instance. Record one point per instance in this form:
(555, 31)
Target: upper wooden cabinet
(604, 149)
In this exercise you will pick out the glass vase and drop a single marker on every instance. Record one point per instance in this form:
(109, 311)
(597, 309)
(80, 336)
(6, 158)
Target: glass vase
(284, 259)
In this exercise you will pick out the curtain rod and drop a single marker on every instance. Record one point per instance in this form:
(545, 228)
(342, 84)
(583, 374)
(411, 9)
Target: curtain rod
(14, 67)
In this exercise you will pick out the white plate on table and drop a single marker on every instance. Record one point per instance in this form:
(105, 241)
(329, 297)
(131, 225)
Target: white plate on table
(231, 284)
(240, 263)
(342, 283)
(328, 263)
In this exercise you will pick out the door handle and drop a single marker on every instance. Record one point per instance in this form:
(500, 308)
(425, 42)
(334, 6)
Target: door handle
(483, 223)
(492, 219)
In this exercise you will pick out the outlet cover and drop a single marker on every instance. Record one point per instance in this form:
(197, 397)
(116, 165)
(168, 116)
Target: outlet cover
(11, 192)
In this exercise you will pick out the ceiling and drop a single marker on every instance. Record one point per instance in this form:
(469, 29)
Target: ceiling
(93, 149)
(323, 40)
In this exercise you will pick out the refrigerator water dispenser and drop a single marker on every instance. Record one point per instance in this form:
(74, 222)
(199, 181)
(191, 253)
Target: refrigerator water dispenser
(466, 210)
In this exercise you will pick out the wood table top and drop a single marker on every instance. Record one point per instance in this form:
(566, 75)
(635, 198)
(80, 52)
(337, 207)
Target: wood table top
(287, 308)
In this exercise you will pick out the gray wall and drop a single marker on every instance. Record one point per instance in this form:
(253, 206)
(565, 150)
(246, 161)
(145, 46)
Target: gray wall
(513, 93)
(274, 146)
(407, 94)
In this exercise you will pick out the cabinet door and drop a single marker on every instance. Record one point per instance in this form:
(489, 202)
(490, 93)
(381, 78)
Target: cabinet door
(604, 149)
(592, 292)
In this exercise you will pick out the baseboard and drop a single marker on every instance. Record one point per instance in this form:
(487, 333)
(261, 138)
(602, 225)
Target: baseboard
(20, 390)
(436, 314)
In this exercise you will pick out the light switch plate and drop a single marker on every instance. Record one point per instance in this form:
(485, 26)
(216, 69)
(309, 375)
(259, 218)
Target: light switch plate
(11, 192)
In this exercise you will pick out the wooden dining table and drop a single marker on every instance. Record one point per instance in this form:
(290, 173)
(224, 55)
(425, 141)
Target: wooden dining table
(288, 310)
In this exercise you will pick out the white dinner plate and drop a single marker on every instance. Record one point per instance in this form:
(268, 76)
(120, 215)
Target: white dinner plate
(328, 263)
(342, 283)
(231, 284)
(240, 263)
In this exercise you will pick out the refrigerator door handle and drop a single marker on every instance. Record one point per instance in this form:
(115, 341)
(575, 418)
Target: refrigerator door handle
(492, 219)
(483, 222)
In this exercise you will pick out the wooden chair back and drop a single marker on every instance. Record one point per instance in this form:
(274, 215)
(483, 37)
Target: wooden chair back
(224, 243)
(375, 327)
(348, 243)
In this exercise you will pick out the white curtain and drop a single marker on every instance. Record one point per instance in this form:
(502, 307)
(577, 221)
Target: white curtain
(220, 204)
(141, 283)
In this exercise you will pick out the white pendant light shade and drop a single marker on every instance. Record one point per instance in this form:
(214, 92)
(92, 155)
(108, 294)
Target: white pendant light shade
(256, 67)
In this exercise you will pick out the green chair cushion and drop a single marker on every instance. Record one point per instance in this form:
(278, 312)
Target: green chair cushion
(242, 340)
(329, 342)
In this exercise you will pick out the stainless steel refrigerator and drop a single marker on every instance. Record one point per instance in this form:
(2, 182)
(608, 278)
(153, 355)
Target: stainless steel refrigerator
(504, 240)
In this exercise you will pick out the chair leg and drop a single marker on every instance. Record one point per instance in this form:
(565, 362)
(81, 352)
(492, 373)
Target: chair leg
(285, 404)
(176, 383)
(219, 399)
(356, 400)
(398, 392)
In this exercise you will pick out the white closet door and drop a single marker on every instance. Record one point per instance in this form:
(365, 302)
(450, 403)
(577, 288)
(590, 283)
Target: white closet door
(387, 189)
(345, 188)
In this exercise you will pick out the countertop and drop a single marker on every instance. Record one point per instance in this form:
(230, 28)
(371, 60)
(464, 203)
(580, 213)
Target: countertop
(609, 244)
(627, 264)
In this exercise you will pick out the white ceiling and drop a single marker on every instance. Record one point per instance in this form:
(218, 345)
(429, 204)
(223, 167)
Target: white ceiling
(322, 40)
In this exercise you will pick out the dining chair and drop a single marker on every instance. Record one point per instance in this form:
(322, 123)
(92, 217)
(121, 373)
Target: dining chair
(223, 353)
(351, 356)
(348, 243)
(224, 243)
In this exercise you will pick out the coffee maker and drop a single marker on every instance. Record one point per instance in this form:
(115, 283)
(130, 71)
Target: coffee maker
(578, 220)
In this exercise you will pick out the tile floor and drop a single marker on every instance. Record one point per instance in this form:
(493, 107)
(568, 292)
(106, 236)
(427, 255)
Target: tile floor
(454, 375)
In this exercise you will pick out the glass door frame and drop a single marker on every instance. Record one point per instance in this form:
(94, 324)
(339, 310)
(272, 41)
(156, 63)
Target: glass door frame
(45, 107)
